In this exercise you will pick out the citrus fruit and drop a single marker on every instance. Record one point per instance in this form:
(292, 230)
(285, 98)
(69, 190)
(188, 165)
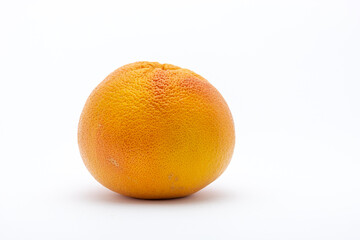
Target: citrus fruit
(155, 131)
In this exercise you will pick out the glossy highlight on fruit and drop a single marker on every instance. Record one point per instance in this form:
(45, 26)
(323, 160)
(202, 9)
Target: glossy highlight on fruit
(155, 131)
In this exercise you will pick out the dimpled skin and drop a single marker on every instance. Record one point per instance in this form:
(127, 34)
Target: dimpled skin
(155, 131)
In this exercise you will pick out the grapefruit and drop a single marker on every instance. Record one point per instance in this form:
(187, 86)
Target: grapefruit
(155, 131)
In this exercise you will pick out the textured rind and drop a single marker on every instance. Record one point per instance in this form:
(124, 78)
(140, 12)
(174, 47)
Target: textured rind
(155, 131)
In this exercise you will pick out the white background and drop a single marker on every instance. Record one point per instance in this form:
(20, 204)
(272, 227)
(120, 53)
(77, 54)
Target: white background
(289, 71)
